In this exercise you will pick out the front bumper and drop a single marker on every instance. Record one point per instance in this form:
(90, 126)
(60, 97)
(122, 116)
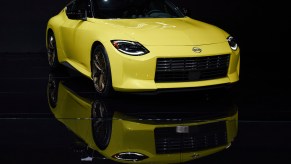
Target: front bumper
(137, 73)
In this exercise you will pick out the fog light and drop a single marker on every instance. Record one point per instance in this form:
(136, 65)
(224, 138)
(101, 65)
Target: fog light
(130, 156)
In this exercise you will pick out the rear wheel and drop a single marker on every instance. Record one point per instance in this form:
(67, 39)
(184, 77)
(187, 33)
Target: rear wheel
(52, 51)
(101, 74)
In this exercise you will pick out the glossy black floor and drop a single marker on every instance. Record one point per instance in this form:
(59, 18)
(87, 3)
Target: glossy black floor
(32, 132)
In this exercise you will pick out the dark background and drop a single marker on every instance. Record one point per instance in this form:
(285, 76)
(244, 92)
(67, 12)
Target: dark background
(263, 96)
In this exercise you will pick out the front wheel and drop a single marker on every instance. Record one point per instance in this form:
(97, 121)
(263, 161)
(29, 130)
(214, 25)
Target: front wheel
(101, 74)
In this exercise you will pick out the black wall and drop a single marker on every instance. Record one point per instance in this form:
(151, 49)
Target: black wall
(23, 24)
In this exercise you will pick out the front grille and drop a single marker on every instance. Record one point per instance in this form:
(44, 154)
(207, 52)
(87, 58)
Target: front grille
(191, 69)
(200, 137)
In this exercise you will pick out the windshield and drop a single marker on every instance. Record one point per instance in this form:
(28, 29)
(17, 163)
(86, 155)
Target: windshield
(130, 9)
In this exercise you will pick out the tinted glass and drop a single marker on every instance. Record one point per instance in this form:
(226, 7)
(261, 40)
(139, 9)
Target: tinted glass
(135, 9)
(79, 5)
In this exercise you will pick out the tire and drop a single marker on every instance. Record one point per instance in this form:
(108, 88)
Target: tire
(101, 73)
(101, 124)
(52, 51)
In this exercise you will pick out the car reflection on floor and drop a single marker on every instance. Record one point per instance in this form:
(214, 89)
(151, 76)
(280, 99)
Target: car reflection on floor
(130, 128)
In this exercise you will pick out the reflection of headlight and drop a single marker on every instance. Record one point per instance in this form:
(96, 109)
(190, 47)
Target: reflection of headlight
(129, 47)
(130, 156)
(232, 43)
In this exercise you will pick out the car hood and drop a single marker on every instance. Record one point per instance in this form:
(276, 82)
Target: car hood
(167, 31)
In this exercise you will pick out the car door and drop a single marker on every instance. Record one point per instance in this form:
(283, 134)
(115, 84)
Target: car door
(73, 30)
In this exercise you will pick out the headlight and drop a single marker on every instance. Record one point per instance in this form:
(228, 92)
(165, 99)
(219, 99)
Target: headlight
(232, 43)
(130, 156)
(129, 47)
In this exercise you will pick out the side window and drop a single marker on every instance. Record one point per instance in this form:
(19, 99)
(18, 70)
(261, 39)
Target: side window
(80, 5)
(71, 7)
(89, 8)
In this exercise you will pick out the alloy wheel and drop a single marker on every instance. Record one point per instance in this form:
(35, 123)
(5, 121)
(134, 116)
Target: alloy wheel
(99, 71)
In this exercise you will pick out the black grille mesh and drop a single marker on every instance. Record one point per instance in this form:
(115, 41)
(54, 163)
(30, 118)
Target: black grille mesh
(201, 137)
(191, 69)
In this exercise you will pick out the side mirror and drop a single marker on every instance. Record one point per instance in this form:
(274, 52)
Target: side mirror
(78, 15)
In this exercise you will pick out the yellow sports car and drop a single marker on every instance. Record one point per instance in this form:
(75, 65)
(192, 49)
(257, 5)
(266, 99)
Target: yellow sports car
(140, 46)
(130, 130)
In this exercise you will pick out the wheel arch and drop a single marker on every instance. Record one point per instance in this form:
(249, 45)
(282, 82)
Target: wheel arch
(94, 45)
(109, 70)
